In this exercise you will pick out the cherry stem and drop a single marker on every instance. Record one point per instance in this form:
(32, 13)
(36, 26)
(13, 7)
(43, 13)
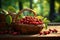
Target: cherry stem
(46, 25)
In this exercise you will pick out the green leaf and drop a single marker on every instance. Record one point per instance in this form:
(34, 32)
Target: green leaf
(45, 20)
(8, 19)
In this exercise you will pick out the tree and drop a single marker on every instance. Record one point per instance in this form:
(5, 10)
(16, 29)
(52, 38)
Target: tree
(20, 5)
(52, 10)
(0, 4)
(59, 10)
(31, 4)
(21, 2)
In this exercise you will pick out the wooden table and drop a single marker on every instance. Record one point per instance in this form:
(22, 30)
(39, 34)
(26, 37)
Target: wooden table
(52, 36)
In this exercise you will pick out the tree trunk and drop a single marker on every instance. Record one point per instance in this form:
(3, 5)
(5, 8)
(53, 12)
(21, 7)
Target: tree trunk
(52, 10)
(20, 5)
(31, 4)
(59, 10)
(0, 4)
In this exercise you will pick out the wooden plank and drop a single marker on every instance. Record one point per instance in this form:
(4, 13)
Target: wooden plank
(37, 35)
(52, 36)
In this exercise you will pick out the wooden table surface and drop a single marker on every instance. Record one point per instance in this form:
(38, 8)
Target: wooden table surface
(54, 36)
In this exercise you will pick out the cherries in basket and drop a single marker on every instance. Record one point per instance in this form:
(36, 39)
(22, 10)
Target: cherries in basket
(29, 20)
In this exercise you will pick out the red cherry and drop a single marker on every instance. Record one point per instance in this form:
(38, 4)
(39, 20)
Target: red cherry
(34, 20)
(1, 32)
(46, 32)
(27, 22)
(37, 23)
(30, 20)
(6, 31)
(41, 33)
(14, 33)
(10, 32)
(40, 22)
(34, 23)
(18, 33)
(50, 30)
(27, 19)
(55, 31)
(23, 18)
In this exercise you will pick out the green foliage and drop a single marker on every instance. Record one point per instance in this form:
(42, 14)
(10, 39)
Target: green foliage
(12, 9)
(25, 13)
(45, 20)
(41, 7)
(11, 5)
(57, 1)
(5, 12)
(57, 19)
(8, 19)
(23, 1)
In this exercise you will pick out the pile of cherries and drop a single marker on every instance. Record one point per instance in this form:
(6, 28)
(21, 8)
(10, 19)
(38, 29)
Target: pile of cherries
(29, 20)
(48, 32)
(9, 32)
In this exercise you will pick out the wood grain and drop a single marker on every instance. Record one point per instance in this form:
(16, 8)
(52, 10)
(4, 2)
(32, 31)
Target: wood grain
(52, 36)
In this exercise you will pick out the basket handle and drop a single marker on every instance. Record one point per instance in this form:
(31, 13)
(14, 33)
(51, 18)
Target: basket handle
(19, 13)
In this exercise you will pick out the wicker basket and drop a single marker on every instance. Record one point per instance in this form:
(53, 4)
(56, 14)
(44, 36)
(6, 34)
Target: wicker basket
(2, 21)
(27, 28)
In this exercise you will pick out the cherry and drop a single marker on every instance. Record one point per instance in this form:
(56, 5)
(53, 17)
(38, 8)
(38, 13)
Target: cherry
(36, 23)
(27, 22)
(14, 33)
(50, 30)
(21, 20)
(41, 33)
(10, 32)
(6, 31)
(18, 33)
(46, 32)
(1, 32)
(40, 22)
(26, 17)
(55, 31)
(30, 20)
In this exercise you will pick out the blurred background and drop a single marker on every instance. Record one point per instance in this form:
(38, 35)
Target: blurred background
(45, 8)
